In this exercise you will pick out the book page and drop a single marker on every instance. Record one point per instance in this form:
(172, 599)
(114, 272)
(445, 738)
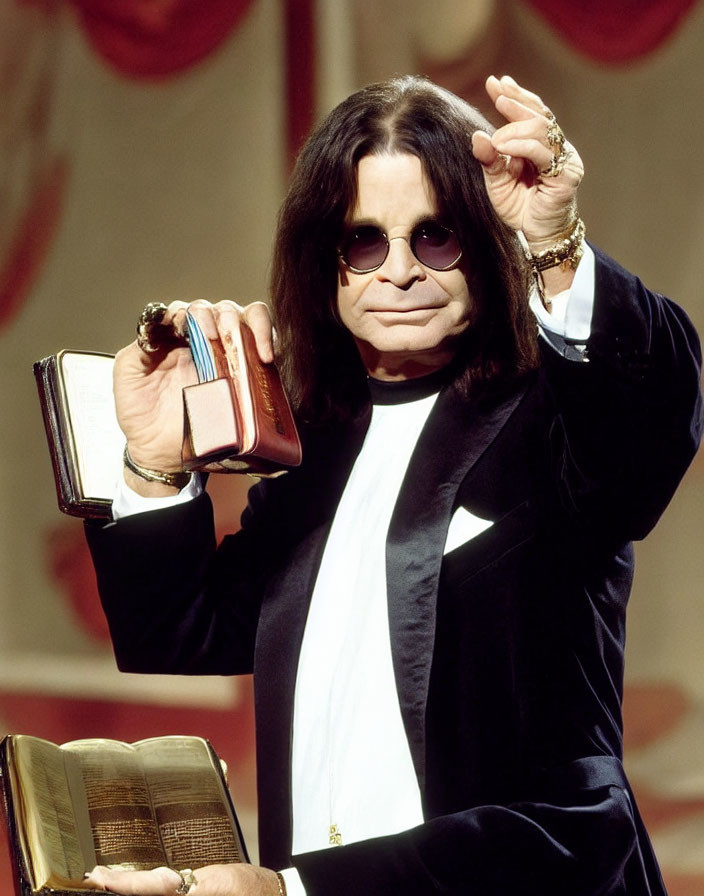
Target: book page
(98, 441)
(190, 803)
(46, 822)
(119, 805)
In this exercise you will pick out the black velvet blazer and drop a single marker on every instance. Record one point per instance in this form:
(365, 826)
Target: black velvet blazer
(508, 651)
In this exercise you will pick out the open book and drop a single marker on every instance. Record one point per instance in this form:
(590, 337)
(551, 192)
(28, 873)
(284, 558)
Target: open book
(161, 801)
(236, 419)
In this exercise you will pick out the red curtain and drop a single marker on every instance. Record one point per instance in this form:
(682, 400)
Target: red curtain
(157, 38)
(613, 31)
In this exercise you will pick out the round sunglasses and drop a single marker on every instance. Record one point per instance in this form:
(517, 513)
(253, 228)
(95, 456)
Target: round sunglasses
(364, 248)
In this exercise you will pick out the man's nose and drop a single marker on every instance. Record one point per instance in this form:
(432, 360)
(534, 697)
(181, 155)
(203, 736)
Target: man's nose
(400, 266)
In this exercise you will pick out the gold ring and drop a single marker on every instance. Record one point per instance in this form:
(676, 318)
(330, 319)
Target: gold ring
(555, 136)
(149, 320)
(556, 166)
(188, 880)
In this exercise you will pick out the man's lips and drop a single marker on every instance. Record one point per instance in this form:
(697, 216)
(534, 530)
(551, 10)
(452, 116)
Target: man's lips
(411, 310)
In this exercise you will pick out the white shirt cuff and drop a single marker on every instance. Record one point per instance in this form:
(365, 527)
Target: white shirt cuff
(294, 884)
(567, 326)
(127, 502)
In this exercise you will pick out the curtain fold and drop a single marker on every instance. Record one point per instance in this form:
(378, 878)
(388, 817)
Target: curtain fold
(613, 31)
(158, 38)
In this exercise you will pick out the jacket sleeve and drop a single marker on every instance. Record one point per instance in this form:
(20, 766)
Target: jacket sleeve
(629, 419)
(175, 603)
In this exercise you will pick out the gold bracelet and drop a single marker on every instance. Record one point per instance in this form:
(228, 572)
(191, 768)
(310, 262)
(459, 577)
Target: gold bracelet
(567, 251)
(176, 480)
(282, 883)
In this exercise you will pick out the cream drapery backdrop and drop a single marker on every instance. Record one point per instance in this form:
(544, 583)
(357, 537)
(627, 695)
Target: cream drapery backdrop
(115, 190)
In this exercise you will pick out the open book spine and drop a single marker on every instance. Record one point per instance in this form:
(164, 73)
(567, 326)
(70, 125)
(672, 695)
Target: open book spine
(20, 877)
(50, 816)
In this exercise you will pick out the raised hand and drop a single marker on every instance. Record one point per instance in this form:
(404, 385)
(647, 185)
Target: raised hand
(531, 175)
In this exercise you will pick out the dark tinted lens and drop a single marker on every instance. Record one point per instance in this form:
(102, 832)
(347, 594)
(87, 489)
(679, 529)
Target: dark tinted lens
(435, 246)
(364, 248)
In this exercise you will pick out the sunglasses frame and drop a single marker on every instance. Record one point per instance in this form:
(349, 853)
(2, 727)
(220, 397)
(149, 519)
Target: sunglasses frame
(411, 240)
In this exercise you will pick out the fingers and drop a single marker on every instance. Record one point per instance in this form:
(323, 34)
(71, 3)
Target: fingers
(484, 150)
(525, 135)
(258, 318)
(498, 166)
(530, 133)
(524, 140)
(216, 880)
(222, 319)
(505, 88)
(159, 882)
(228, 316)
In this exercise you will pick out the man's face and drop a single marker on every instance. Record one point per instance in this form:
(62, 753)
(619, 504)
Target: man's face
(405, 317)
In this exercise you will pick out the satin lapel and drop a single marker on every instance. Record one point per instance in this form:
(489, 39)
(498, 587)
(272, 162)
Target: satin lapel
(452, 441)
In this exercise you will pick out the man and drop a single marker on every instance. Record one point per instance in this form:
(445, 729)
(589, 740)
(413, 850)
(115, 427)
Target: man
(433, 604)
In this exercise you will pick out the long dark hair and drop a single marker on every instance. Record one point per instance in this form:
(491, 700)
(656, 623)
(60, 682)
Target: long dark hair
(318, 357)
